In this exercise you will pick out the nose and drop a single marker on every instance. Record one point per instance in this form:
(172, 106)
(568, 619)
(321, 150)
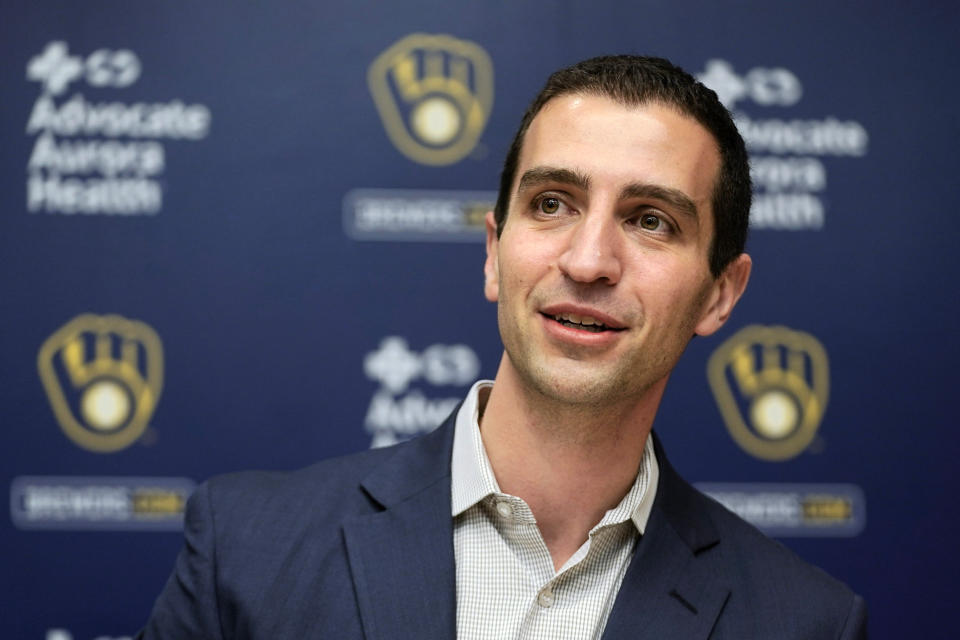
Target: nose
(592, 251)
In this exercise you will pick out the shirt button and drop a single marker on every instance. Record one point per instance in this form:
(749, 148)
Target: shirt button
(504, 509)
(546, 597)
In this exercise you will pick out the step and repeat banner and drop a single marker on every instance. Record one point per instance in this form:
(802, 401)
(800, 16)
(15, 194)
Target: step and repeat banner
(250, 235)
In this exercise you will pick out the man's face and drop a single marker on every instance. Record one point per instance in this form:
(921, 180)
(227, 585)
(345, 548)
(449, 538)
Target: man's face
(601, 272)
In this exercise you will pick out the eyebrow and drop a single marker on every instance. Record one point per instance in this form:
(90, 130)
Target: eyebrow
(674, 197)
(541, 175)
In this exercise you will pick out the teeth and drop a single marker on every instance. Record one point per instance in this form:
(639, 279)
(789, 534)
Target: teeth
(571, 319)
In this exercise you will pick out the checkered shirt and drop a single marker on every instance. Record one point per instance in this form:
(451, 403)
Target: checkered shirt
(506, 583)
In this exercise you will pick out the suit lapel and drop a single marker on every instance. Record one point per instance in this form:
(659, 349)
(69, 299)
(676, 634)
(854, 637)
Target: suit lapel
(673, 587)
(401, 558)
(404, 571)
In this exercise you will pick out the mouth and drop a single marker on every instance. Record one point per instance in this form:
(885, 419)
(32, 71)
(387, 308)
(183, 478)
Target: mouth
(581, 322)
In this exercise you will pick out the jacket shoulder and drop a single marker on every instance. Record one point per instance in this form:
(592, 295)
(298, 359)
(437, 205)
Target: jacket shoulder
(331, 485)
(782, 590)
(259, 544)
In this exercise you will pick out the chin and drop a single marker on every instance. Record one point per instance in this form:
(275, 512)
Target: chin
(577, 388)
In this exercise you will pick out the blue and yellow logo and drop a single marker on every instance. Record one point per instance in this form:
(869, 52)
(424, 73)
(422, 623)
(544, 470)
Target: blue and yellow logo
(771, 385)
(103, 376)
(434, 94)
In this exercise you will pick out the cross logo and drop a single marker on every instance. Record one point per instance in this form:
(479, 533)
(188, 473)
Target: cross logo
(720, 77)
(773, 86)
(55, 68)
(393, 364)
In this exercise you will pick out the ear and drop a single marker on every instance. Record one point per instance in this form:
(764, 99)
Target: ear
(491, 268)
(726, 291)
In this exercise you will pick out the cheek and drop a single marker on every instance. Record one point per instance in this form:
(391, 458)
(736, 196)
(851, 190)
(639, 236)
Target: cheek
(689, 308)
(521, 267)
(675, 293)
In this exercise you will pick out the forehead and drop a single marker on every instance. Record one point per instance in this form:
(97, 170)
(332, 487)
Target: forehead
(615, 145)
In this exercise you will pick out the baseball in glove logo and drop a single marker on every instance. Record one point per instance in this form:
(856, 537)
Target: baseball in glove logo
(434, 94)
(771, 384)
(103, 376)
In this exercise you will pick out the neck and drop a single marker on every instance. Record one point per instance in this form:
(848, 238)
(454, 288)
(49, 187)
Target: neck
(569, 463)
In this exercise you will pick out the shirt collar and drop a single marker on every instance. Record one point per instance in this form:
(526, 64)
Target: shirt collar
(473, 478)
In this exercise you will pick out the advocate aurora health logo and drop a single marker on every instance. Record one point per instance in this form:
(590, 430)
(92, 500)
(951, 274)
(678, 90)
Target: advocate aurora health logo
(410, 400)
(790, 153)
(94, 152)
(103, 376)
(771, 384)
(434, 94)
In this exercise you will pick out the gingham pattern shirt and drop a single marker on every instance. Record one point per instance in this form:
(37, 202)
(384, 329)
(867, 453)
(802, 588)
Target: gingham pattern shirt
(506, 583)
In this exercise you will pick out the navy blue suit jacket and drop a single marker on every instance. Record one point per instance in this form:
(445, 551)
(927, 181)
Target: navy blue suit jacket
(362, 547)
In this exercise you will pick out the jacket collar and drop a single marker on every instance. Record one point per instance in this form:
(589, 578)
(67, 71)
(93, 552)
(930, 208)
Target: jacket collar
(402, 557)
(405, 573)
(674, 586)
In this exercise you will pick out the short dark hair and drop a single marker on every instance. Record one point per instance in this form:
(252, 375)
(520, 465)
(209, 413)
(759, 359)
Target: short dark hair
(637, 80)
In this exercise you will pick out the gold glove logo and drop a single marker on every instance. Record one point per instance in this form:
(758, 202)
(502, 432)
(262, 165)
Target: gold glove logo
(771, 384)
(434, 94)
(103, 376)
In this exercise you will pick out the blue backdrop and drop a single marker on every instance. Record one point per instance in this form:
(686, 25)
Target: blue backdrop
(247, 235)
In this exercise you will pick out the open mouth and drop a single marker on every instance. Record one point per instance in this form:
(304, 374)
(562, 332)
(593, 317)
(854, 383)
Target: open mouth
(582, 323)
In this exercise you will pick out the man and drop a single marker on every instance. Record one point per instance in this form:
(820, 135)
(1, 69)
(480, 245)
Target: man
(542, 508)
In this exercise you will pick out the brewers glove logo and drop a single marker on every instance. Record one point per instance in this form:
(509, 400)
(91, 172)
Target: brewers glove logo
(771, 384)
(434, 94)
(103, 376)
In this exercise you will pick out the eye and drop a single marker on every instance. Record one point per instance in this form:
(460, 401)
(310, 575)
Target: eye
(549, 205)
(651, 222)
(655, 222)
